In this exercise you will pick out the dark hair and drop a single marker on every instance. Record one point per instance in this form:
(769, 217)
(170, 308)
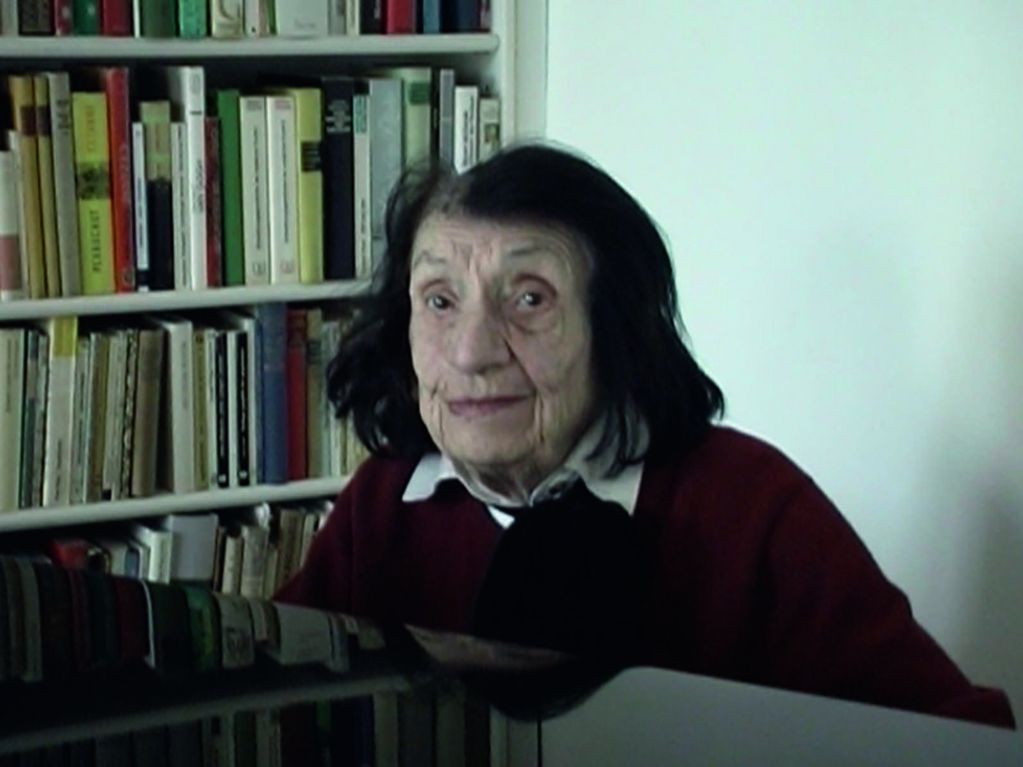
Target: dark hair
(641, 361)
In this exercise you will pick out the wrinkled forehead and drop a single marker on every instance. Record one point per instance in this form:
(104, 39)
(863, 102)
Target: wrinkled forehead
(460, 242)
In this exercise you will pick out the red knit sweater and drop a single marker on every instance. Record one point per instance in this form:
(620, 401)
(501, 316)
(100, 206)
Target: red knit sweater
(757, 577)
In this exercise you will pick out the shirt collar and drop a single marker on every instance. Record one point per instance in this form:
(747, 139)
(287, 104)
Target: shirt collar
(623, 489)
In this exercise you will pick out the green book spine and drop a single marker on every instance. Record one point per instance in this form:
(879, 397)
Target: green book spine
(158, 18)
(192, 18)
(231, 186)
(85, 17)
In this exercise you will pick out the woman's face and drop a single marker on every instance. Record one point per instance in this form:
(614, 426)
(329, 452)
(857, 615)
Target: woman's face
(501, 344)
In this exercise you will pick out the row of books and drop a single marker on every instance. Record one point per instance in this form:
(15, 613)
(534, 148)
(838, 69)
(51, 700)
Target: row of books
(193, 19)
(387, 729)
(251, 551)
(93, 412)
(62, 622)
(102, 192)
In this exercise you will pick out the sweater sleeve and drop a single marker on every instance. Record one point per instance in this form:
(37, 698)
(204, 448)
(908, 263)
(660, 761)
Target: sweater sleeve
(325, 579)
(836, 625)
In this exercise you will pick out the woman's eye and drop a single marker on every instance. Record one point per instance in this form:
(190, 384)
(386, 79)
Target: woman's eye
(530, 299)
(437, 302)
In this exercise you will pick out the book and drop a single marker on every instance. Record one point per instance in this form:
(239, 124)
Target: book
(256, 16)
(180, 214)
(335, 17)
(429, 17)
(192, 19)
(303, 636)
(271, 320)
(192, 546)
(337, 173)
(255, 540)
(416, 112)
(100, 358)
(160, 545)
(35, 17)
(317, 452)
(460, 16)
(141, 211)
(227, 18)
(113, 442)
(489, 132)
(85, 17)
(204, 625)
(116, 18)
(226, 105)
(114, 81)
(63, 339)
(219, 402)
(362, 140)
(92, 187)
(64, 196)
(186, 87)
(282, 188)
(204, 395)
(255, 203)
(231, 561)
(248, 394)
(385, 119)
(156, 121)
(122, 476)
(55, 617)
(301, 19)
(158, 18)
(466, 127)
(145, 437)
(308, 142)
(170, 641)
(12, 379)
(371, 17)
(295, 382)
(232, 339)
(47, 202)
(214, 210)
(177, 405)
(21, 94)
(445, 99)
(33, 409)
(400, 17)
(82, 413)
(62, 21)
(12, 281)
(237, 642)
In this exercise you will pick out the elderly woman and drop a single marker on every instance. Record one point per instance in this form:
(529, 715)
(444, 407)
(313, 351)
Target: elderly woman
(521, 347)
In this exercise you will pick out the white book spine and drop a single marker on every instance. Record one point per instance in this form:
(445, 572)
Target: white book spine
(282, 189)
(466, 122)
(179, 208)
(255, 227)
(159, 544)
(12, 282)
(14, 146)
(116, 372)
(227, 18)
(336, 18)
(136, 18)
(301, 19)
(361, 140)
(9, 18)
(211, 409)
(232, 407)
(39, 427)
(187, 89)
(82, 412)
(232, 564)
(65, 199)
(179, 411)
(12, 367)
(352, 17)
(489, 132)
(255, 540)
(446, 116)
(138, 167)
(59, 411)
(254, 17)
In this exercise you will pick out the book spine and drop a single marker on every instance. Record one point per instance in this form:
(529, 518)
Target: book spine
(179, 208)
(138, 172)
(466, 121)
(116, 18)
(12, 379)
(282, 188)
(156, 126)
(187, 87)
(62, 10)
(371, 17)
(296, 394)
(256, 231)
(39, 427)
(460, 16)
(310, 183)
(196, 420)
(338, 178)
(63, 333)
(231, 187)
(446, 117)
(82, 412)
(92, 186)
(214, 405)
(336, 18)
(316, 460)
(116, 375)
(159, 18)
(222, 434)
(178, 436)
(272, 319)
(115, 84)
(147, 412)
(429, 21)
(295, 19)
(85, 17)
(131, 387)
(233, 417)
(489, 128)
(243, 393)
(24, 119)
(361, 146)
(214, 210)
(385, 96)
(47, 203)
(29, 404)
(400, 17)
(256, 17)
(65, 201)
(353, 17)
(97, 416)
(12, 284)
(227, 18)
(35, 17)
(192, 19)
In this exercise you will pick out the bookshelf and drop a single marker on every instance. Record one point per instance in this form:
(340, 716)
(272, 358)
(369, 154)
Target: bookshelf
(505, 61)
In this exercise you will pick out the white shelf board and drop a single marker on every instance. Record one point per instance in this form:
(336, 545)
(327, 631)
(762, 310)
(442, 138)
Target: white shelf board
(178, 300)
(97, 48)
(169, 503)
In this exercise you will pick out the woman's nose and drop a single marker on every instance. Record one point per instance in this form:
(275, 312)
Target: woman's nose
(479, 342)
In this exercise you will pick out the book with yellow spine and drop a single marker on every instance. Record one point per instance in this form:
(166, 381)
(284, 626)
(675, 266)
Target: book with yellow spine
(92, 176)
(22, 98)
(309, 135)
(47, 196)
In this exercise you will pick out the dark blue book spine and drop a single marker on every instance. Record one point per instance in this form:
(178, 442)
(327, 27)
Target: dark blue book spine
(272, 319)
(338, 179)
(461, 16)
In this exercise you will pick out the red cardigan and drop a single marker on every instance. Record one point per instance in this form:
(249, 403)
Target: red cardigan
(758, 577)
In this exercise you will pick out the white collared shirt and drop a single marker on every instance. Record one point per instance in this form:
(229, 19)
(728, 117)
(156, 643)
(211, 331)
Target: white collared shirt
(623, 489)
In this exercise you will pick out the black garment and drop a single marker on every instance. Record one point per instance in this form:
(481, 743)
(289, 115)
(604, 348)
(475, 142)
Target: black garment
(566, 575)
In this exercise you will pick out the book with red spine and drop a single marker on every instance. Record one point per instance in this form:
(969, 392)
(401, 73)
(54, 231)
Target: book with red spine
(400, 17)
(295, 387)
(132, 619)
(62, 17)
(116, 18)
(116, 85)
(214, 211)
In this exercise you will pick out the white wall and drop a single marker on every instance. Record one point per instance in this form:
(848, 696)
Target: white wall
(842, 186)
